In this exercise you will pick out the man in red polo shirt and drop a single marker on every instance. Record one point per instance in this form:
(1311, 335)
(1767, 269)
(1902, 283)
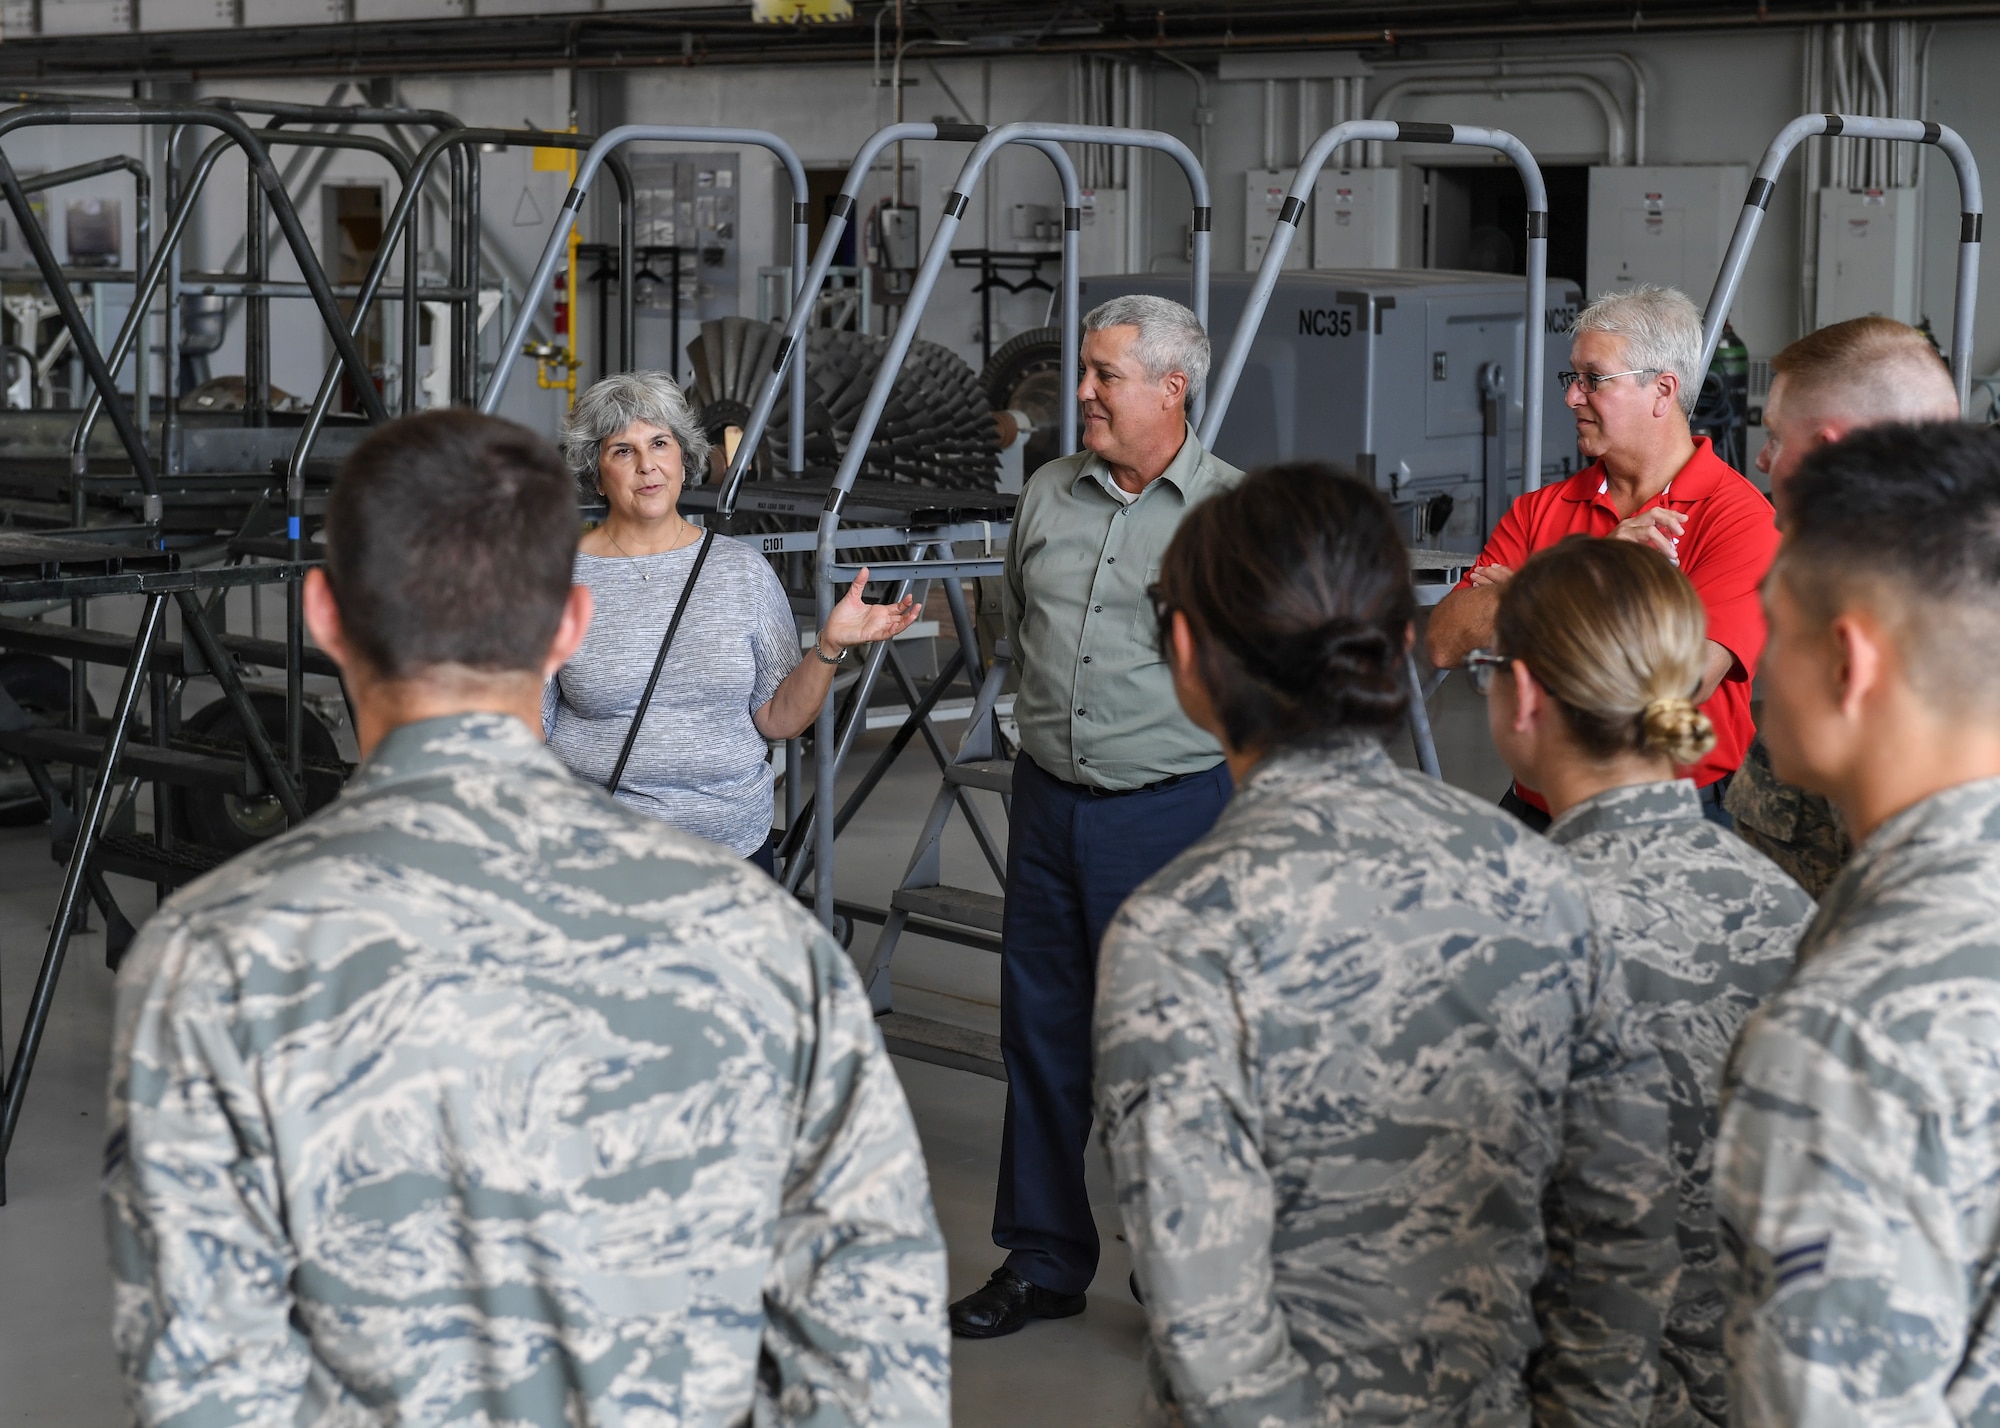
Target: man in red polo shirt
(1635, 357)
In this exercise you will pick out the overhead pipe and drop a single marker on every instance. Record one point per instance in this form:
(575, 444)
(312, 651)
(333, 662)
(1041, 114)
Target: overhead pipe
(1594, 88)
(1505, 63)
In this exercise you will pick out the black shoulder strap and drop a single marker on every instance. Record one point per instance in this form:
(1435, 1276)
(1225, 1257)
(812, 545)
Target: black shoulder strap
(660, 663)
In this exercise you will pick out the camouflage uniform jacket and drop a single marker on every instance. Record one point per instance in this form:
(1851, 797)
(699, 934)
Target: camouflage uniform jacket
(1801, 832)
(1350, 1046)
(1704, 927)
(1860, 1148)
(483, 1099)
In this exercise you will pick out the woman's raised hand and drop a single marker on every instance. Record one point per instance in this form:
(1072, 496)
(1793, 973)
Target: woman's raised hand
(855, 622)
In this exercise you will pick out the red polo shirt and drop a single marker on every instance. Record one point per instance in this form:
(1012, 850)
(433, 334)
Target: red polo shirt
(1726, 546)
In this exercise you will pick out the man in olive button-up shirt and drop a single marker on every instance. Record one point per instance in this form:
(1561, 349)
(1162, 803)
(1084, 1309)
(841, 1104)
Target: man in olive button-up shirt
(1112, 783)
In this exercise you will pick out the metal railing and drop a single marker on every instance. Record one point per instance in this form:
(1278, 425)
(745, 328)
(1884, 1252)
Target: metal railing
(1972, 220)
(1223, 384)
(828, 569)
(586, 173)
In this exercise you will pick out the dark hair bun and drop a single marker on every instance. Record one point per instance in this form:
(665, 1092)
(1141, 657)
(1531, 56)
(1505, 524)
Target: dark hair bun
(1298, 590)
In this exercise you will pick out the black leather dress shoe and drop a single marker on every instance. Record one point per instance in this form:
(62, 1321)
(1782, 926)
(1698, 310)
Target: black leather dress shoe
(1005, 1304)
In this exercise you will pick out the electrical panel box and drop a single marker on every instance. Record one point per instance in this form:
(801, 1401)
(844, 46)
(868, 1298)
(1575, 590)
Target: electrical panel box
(1101, 242)
(1413, 374)
(1264, 193)
(1867, 254)
(1662, 223)
(901, 241)
(1354, 218)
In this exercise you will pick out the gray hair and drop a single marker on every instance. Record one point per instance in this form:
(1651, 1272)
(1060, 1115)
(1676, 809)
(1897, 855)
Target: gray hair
(1170, 337)
(1662, 332)
(609, 406)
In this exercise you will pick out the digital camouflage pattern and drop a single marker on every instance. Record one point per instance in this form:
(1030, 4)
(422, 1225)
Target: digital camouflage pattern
(1704, 928)
(1348, 1044)
(1861, 1142)
(1801, 832)
(482, 1099)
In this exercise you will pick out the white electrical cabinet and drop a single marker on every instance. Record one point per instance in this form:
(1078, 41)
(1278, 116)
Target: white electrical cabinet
(1661, 223)
(1264, 192)
(1354, 218)
(1101, 241)
(1867, 254)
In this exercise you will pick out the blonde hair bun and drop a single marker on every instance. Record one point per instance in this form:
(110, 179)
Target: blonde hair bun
(1675, 727)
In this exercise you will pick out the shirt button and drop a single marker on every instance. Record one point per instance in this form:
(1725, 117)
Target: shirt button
(1096, 609)
(1083, 761)
(1086, 659)
(1081, 713)
(1111, 560)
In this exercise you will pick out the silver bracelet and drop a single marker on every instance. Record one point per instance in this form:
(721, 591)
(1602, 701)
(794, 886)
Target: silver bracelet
(820, 655)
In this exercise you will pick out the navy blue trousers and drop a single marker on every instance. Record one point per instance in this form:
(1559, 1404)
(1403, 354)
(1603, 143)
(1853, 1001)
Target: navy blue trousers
(1072, 858)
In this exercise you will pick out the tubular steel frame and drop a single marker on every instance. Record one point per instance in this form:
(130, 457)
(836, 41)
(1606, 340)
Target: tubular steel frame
(1971, 223)
(1223, 385)
(1048, 138)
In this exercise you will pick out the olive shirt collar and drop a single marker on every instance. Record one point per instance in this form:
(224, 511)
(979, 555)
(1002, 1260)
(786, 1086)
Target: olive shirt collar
(1183, 473)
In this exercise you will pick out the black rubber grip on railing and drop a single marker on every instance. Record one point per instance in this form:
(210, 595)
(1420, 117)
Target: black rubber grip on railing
(784, 351)
(1760, 193)
(1291, 211)
(1932, 131)
(1538, 224)
(801, 214)
(1970, 227)
(574, 200)
(1203, 219)
(835, 499)
(1425, 133)
(1833, 124)
(954, 207)
(1072, 220)
(961, 133)
(843, 204)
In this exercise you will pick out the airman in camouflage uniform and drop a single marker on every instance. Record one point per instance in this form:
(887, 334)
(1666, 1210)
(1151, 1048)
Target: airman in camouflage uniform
(1801, 832)
(1704, 928)
(482, 1099)
(1860, 1142)
(1352, 1047)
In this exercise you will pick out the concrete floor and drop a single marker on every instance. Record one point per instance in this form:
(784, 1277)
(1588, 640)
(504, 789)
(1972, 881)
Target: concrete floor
(55, 1360)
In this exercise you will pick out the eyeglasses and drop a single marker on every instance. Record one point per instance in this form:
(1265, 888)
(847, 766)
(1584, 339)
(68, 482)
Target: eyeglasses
(1566, 380)
(1482, 665)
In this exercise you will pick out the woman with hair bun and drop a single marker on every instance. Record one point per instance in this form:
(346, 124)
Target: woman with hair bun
(1600, 645)
(1362, 1065)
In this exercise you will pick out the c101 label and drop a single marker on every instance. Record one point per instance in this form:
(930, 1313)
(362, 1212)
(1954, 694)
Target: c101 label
(1326, 322)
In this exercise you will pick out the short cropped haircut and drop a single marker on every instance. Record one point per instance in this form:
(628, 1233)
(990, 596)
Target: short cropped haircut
(1618, 637)
(450, 539)
(1296, 587)
(1171, 338)
(1662, 332)
(1905, 522)
(608, 407)
(1873, 369)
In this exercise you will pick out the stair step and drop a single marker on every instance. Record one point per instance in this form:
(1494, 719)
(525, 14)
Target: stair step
(995, 774)
(942, 1044)
(961, 905)
(141, 760)
(142, 858)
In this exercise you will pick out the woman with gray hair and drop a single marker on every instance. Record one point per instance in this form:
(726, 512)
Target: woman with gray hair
(683, 737)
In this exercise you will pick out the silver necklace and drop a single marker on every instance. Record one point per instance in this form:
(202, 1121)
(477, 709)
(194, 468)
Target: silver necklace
(644, 574)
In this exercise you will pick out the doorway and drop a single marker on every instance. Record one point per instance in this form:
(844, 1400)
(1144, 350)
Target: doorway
(1475, 215)
(351, 218)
